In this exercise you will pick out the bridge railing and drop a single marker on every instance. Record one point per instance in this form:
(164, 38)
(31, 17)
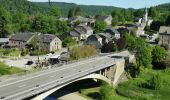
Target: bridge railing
(44, 87)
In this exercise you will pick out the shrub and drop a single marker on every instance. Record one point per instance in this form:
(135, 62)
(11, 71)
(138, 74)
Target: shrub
(82, 52)
(68, 42)
(24, 52)
(154, 83)
(38, 52)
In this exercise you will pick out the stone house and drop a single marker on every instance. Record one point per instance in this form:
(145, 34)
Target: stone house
(107, 19)
(49, 42)
(81, 32)
(19, 40)
(95, 39)
(46, 42)
(113, 33)
(98, 40)
(81, 21)
(164, 34)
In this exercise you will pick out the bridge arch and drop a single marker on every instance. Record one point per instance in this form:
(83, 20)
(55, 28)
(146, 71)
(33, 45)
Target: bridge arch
(91, 76)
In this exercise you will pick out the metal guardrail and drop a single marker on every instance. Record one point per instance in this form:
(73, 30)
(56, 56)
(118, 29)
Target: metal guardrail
(41, 88)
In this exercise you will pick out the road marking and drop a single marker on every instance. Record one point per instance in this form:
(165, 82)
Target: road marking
(76, 64)
(21, 86)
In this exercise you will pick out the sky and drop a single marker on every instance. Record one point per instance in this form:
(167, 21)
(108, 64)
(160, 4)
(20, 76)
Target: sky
(118, 3)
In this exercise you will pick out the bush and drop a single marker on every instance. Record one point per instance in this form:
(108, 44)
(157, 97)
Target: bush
(82, 52)
(38, 52)
(154, 83)
(68, 42)
(107, 92)
(24, 52)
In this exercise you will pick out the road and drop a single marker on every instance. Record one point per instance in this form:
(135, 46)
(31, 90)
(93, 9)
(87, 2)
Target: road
(32, 82)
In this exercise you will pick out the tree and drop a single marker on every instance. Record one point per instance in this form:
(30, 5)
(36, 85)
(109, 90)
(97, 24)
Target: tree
(55, 11)
(158, 54)
(141, 50)
(5, 23)
(153, 13)
(77, 11)
(107, 92)
(138, 13)
(158, 57)
(61, 27)
(100, 26)
(71, 13)
(155, 82)
(156, 25)
(115, 14)
(167, 22)
(67, 42)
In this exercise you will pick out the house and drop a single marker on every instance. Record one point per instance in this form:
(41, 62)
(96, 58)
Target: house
(107, 19)
(3, 41)
(113, 33)
(98, 40)
(81, 32)
(49, 42)
(136, 29)
(164, 34)
(82, 21)
(20, 40)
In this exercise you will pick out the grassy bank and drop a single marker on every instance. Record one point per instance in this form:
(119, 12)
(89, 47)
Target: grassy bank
(132, 89)
(6, 70)
(103, 92)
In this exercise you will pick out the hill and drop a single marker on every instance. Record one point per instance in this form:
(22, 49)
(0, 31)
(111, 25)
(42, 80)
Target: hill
(44, 7)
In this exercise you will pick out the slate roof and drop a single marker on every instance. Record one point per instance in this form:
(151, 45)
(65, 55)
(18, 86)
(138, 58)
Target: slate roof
(112, 31)
(47, 38)
(164, 29)
(22, 36)
(79, 30)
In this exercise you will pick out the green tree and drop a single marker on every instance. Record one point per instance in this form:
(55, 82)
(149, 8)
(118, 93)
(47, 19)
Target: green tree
(115, 14)
(158, 54)
(5, 23)
(55, 11)
(138, 13)
(107, 92)
(141, 50)
(67, 42)
(77, 11)
(155, 82)
(167, 22)
(71, 13)
(62, 26)
(153, 13)
(156, 25)
(100, 26)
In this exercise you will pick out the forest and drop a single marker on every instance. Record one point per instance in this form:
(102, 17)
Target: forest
(22, 16)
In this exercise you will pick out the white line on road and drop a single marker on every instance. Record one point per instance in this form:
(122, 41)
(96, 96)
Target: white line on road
(76, 64)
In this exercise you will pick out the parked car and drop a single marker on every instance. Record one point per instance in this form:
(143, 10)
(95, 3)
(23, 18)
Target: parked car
(29, 62)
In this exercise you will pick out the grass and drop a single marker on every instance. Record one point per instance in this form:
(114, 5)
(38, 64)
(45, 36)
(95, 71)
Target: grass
(131, 89)
(94, 94)
(6, 70)
(13, 52)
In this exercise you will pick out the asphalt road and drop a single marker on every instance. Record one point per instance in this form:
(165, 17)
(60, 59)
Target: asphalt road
(22, 85)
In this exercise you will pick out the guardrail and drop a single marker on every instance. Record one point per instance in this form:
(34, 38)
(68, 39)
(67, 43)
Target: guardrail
(41, 88)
